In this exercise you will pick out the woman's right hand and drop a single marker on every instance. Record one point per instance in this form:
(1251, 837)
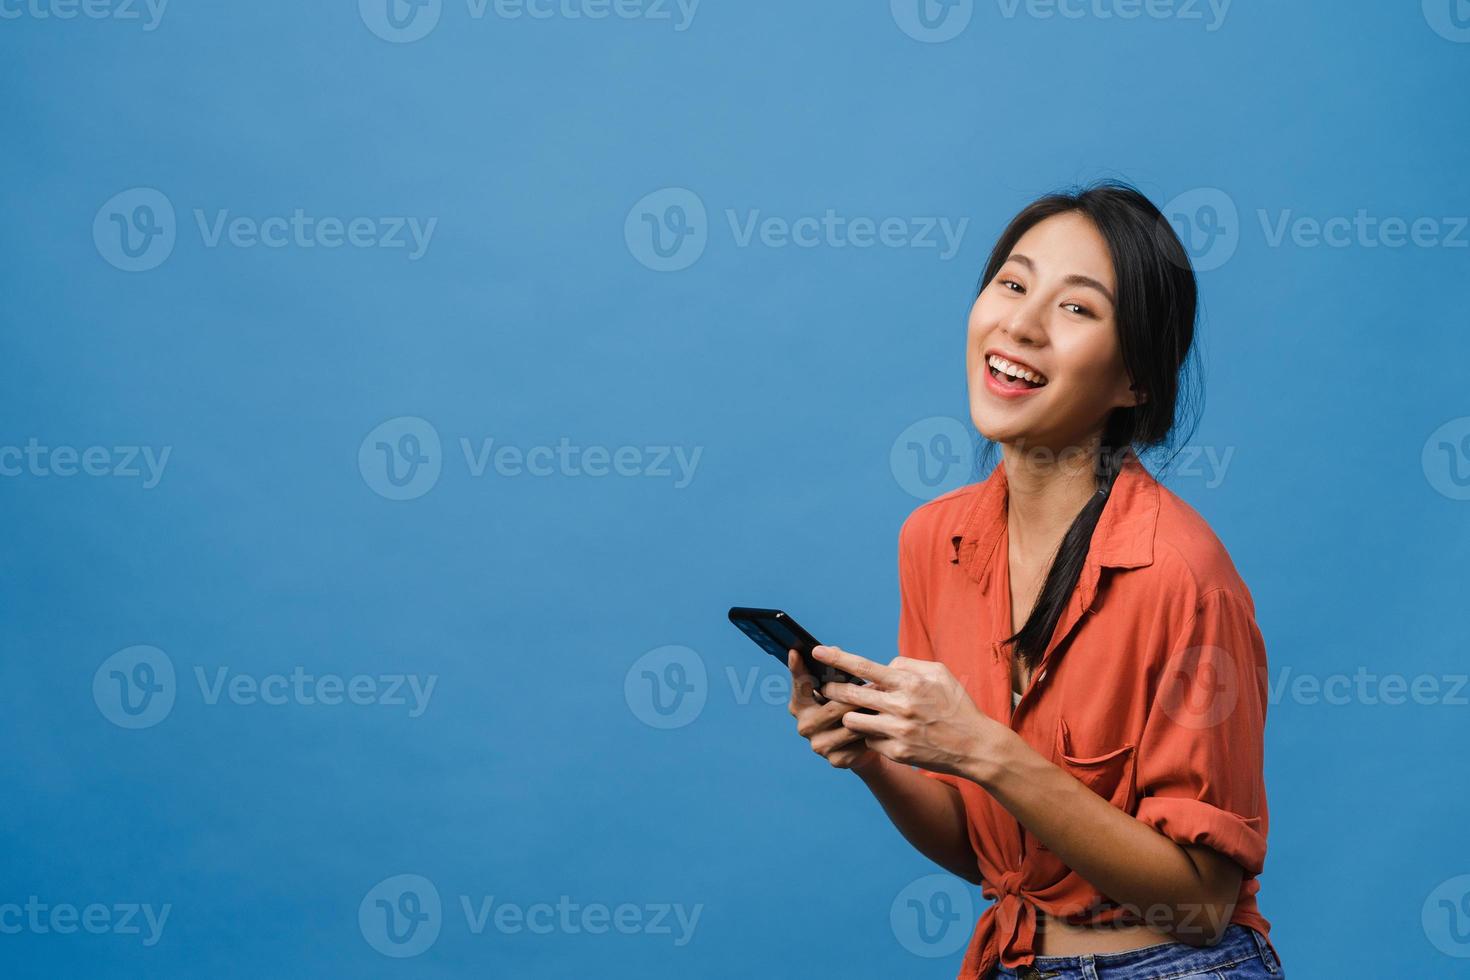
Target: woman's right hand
(821, 724)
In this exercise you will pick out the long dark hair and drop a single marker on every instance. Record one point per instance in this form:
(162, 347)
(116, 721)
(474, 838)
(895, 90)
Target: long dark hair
(1157, 302)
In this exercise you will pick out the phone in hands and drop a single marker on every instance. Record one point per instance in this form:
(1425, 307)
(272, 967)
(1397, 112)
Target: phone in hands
(776, 632)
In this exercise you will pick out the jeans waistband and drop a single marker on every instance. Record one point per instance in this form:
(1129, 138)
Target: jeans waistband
(1239, 944)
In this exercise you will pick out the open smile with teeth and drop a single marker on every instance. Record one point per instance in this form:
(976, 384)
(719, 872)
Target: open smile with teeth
(1012, 375)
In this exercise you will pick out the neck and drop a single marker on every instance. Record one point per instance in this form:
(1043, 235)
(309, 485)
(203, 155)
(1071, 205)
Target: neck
(1046, 491)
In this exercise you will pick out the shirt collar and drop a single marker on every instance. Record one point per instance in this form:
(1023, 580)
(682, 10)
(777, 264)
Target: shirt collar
(1123, 538)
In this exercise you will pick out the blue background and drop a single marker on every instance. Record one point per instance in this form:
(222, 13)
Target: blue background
(534, 773)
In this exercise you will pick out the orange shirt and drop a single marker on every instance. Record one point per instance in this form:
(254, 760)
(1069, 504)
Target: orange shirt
(1152, 692)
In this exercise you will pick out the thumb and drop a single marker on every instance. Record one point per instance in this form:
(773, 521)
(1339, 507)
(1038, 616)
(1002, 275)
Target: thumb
(801, 681)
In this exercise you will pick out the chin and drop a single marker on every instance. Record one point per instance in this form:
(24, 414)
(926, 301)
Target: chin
(991, 428)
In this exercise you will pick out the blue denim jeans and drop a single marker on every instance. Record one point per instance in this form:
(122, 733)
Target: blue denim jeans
(1242, 954)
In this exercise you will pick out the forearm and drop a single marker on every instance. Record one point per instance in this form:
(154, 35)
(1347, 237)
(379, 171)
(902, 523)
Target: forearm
(929, 814)
(1126, 860)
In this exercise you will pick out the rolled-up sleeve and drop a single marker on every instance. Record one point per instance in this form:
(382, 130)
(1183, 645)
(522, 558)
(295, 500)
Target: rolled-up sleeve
(1199, 763)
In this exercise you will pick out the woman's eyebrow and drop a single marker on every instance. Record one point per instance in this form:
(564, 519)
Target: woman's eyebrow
(1072, 280)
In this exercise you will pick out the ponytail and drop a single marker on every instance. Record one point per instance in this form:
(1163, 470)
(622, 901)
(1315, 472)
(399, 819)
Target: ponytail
(1030, 641)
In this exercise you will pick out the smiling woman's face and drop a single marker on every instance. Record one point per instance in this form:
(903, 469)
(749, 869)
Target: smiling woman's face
(1049, 312)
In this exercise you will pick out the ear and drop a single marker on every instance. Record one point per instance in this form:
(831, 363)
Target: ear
(1139, 396)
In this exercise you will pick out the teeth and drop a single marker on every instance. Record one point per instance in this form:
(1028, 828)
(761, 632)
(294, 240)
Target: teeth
(1006, 367)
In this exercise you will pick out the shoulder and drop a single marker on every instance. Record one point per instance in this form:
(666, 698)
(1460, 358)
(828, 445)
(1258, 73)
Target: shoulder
(1190, 561)
(931, 527)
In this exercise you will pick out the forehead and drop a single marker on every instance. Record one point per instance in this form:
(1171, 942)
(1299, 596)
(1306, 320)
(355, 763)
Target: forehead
(1067, 244)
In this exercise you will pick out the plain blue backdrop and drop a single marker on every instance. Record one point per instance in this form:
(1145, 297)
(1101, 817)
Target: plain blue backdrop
(599, 289)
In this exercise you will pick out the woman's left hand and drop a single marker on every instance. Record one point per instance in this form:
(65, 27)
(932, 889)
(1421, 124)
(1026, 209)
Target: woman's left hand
(924, 717)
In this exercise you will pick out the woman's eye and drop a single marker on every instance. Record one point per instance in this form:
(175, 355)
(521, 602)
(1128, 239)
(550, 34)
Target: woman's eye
(1008, 283)
(1084, 311)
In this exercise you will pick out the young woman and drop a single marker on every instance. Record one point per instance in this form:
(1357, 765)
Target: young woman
(1080, 681)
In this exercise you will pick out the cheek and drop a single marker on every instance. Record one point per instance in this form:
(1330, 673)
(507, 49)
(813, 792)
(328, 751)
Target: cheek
(981, 313)
(974, 334)
(978, 326)
(1098, 363)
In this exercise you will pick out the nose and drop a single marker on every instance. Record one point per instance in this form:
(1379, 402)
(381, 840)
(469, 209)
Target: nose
(1022, 324)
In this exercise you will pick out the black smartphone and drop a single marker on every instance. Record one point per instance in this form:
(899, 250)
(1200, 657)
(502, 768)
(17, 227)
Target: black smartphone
(775, 632)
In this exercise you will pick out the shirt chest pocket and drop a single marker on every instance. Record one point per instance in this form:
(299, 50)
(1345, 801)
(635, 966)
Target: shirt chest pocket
(1107, 773)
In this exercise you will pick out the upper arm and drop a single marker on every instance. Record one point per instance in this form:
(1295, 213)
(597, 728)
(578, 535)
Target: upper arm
(1200, 759)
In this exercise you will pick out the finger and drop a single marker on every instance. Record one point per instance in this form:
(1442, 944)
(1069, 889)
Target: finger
(814, 718)
(859, 695)
(881, 725)
(857, 666)
(834, 738)
(848, 758)
(802, 684)
(829, 713)
(885, 747)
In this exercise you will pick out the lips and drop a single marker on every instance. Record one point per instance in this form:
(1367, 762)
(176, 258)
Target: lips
(1010, 377)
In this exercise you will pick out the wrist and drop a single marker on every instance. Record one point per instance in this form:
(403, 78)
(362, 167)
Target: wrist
(996, 754)
(871, 767)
